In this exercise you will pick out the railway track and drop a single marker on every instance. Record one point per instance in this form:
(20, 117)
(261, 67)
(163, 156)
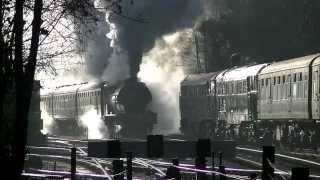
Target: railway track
(250, 157)
(283, 163)
(58, 150)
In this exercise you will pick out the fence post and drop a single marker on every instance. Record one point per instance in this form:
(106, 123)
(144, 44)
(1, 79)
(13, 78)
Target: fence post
(268, 162)
(73, 163)
(220, 158)
(174, 172)
(118, 169)
(129, 165)
(155, 146)
(212, 164)
(201, 164)
(300, 173)
(223, 171)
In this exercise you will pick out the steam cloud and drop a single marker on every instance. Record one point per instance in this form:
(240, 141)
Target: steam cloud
(135, 30)
(161, 71)
(159, 18)
(47, 122)
(95, 126)
(139, 33)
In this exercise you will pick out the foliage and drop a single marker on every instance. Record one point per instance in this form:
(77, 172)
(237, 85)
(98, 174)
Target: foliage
(263, 30)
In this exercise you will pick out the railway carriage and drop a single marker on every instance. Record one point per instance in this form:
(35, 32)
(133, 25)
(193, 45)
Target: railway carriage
(198, 104)
(237, 99)
(116, 105)
(315, 88)
(288, 102)
(284, 90)
(66, 104)
(280, 100)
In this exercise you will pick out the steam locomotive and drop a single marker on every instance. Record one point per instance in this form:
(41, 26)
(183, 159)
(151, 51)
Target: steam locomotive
(120, 106)
(247, 102)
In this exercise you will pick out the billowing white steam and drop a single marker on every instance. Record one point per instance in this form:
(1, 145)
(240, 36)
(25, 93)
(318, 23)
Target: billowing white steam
(118, 68)
(161, 70)
(47, 122)
(94, 124)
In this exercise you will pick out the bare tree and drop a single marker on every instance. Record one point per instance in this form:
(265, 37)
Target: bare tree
(28, 31)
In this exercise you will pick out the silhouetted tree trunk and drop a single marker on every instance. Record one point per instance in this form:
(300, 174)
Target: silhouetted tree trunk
(2, 56)
(24, 76)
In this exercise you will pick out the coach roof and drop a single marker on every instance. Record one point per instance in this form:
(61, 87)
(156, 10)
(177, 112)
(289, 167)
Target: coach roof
(198, 79)
(295, 63)
(240, 73)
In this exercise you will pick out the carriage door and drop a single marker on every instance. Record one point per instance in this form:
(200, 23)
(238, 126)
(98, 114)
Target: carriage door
(269, 95)
(289, 93)
(315, 93)
(318, 92)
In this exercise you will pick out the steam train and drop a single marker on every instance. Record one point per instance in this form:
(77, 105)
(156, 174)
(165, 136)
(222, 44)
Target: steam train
(120, 106)
(248, 102)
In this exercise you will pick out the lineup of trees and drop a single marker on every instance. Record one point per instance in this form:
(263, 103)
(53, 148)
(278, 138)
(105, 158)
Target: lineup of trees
(245, 31)
(28, 41)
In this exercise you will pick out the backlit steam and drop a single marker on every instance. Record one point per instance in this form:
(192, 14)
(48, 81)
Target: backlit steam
(47, 122)
(94, 124)
(138, 35)
(160, 70)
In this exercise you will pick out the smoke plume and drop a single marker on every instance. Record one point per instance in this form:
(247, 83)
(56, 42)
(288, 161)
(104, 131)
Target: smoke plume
(134, 30)
(161, 70)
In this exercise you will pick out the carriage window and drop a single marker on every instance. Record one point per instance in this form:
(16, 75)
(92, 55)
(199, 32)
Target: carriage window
(294, 77)
(262, 82)
(278, 80)
(283, 79)
(300, 77)
(289, 78)
(267, 82)
(274, 80)
(244, 86)
(231, 89)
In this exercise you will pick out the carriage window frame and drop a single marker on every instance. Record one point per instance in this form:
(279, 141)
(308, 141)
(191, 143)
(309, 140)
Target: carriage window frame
(300, 76)
(267, 82)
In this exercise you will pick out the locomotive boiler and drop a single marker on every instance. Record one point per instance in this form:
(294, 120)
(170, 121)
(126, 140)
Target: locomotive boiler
(132, 118)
